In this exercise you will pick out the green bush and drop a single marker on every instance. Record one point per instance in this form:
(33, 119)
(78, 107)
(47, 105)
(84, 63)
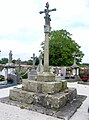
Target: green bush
(24, 76)
(2, 78)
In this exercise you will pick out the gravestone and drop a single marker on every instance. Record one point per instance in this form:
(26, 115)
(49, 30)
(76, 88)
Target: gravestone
(10, 71)
(75, 67)
(63, 71)
(33, 73)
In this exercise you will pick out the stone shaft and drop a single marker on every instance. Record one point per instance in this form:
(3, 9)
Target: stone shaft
(46, 53)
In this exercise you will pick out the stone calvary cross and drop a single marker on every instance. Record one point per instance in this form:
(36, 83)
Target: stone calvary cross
(47, 29)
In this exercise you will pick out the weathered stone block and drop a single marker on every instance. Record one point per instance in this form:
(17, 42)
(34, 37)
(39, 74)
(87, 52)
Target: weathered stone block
(25, 84)
(30, 85)
(51, 87)
(70, 94)
(59, 100)
(22, 96)
(55, 101)
(42, 87)
(64, 84)
(45, 76)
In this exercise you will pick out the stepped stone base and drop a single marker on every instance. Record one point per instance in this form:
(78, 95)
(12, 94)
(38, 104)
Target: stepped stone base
(44, 87)
(44, 91)
(53, 101)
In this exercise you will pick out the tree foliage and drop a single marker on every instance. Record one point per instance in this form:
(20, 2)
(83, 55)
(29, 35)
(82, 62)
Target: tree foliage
(61, 48)
(3, 60)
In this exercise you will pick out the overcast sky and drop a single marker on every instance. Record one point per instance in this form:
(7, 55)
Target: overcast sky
(22, 27)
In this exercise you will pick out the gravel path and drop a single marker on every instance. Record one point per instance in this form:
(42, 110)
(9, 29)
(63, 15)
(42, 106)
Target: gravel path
(82, 112)
(8, 112)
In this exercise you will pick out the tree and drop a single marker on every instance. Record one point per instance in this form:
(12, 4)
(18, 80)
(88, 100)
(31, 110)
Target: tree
(61, 48)
(30, 62)
(14, 61)
(4, 61)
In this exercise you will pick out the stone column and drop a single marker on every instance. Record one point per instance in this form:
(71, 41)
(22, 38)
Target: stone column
(46, 53)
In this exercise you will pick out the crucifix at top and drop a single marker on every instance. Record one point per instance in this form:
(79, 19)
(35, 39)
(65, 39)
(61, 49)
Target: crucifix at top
(47, 17)
(47, 29)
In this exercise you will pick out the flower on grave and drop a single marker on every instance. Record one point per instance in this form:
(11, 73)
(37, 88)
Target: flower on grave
(9, 79)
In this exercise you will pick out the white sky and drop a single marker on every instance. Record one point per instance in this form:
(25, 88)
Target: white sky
(22, 27)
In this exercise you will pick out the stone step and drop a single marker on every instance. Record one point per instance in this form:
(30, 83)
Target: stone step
(44, 87)
(53, 101)
(45, 77)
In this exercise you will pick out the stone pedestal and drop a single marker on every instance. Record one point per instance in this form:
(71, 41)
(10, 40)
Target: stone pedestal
(53, 94)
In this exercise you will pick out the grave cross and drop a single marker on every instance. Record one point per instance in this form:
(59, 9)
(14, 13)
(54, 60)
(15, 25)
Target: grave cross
(74, 55)
(34, 61)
